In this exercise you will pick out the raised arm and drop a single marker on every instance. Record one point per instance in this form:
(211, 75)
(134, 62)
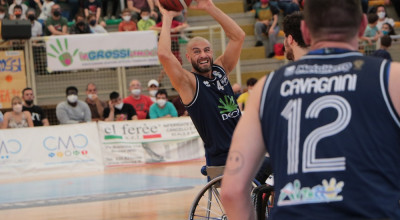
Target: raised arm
(236, 35)
(244, 160)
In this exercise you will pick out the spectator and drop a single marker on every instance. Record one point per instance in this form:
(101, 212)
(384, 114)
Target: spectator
(39, 118)
(17, 118)
(145, 22)
(37, 28)
(295, 47)
(140, 102)
(94, 27)
(242, 100)
(180, 107)
(127, 24)
(135, 6)
(23, 8)
(115, 4)
(371, 34)
(237, 90)
(387, 29)
(4, 4)
(93, 7)
(95, 104)
(152, 87)
(73, 110)
(162, 108)
(383, 18)
(80, 26)
(17, 13)
(45, 10)
(3, 13)
(117, 110)
(383, 52)
(56, 24)
(267, 22)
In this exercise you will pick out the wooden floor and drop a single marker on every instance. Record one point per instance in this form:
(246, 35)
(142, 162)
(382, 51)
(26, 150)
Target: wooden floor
(157, 191)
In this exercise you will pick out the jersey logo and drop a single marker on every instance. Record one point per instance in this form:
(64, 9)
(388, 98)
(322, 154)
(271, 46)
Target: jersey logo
(228, 108)
(358, 64)
(293, 194)
(206, 83)
(217, 74)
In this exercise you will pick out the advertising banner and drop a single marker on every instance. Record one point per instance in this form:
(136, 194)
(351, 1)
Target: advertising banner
(149, 141)
(55, 149)
(88, 51)
(12, 76)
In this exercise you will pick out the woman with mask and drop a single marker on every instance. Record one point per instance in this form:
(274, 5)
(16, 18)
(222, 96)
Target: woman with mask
(387, 29)
(383, 18)
(17, 118)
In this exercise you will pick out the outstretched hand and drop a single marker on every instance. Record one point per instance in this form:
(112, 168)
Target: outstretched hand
(201, 4)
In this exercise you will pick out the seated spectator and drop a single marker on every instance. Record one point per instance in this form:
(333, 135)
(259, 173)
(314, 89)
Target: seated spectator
(95, 104)
(93, 7)
(3, 13)
(180, 107)
(17, 118)
(21, 6)
(73, 110)
(45, 9)
(117, 110)
(371, 34)
(39, 117)
(383, 18)
(127, 24)
(140, 102)
(56, 24)
(80, 26)
(152, 87)
(37, 28)
(135, 6)
(267, 23)
(242, 100)
(383, 52)
(145, 22)
(94, 27)
(17, 13)
(162, 108)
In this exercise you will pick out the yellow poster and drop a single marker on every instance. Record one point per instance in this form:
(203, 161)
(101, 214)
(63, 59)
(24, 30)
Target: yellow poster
(12, 76)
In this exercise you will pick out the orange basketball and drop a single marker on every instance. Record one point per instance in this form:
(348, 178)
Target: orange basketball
(175, 5)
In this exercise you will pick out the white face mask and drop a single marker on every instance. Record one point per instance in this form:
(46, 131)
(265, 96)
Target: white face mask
(90, 96)
(17, 108)
(18, 2)
(135, 91)
(161, 102)
(72, 98)
(127, 18)
(381, 15)
(119, 106)
(145, 18)
(153, 92)
(2, 16)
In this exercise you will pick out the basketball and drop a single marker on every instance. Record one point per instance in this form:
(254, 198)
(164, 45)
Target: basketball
(175, 5)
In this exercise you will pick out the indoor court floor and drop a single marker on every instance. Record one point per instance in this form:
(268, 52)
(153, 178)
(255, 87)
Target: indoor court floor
(155, 191)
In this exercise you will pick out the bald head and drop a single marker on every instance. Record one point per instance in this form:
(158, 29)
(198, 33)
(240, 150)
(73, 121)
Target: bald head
(135, 84)
(192, 42)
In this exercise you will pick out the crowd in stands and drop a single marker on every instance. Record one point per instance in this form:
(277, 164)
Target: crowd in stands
(136, 106)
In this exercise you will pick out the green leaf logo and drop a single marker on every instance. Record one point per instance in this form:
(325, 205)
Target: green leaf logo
(228, 105)
(63, 56)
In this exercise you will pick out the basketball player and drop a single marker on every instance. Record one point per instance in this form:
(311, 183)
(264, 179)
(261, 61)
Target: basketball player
(331, 124)
(206, 91)
(295, 47)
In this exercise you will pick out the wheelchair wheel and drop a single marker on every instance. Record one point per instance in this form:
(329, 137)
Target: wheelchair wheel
(263, 200)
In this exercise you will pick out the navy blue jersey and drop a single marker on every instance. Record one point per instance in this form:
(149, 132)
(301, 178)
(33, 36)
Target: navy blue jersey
(334, 138)
(215, 113)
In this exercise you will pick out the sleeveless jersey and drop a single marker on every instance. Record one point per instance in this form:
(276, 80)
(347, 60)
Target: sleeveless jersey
(215, 113)
(333, 136)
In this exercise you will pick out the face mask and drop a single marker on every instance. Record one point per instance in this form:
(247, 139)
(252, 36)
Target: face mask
(92, 22)
(18, 2)
(56, 13)
(29, 102)
(153, 92)
(119, 106)
(17, 108)
(72, 98)
(135, 91)
(90, 96)
(17, 14)
(161, 102)
(145, 18)
(385, 32)
(2, 16)
(127, 18)
(31, 17)
(80, 23)
(381, 15)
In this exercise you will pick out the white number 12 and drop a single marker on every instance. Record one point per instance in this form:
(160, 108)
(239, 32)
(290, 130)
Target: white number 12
(292, 113)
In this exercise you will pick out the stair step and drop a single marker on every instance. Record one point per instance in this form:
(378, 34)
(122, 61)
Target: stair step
(227, 7)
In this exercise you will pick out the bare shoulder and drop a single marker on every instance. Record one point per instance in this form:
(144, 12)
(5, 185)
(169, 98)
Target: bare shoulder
(394, 85)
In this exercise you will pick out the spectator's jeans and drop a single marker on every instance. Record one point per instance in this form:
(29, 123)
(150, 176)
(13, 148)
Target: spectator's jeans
(288, 7)
(260, 28)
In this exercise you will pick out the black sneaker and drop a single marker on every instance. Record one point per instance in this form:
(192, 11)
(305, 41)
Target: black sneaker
(259, 44)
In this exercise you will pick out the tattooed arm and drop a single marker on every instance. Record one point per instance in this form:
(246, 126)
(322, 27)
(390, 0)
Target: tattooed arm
(244, 160)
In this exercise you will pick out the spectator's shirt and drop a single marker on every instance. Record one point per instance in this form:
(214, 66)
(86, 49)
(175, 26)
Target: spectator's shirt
(266, 13)
(141, 105)
(93, 108)
(383, 54)
(144, 25)
(180, 108)
(125, 113)
(92, 6)
(57, 24)
(75, 30)
(98, 29)
(157, 112)
(68, 114)
(370, 31)
(140, 4)
(243, 99)
(37, 29)
(46, 10)
(386, 20)
(127, 26)
(1, 117)
(37, 114)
